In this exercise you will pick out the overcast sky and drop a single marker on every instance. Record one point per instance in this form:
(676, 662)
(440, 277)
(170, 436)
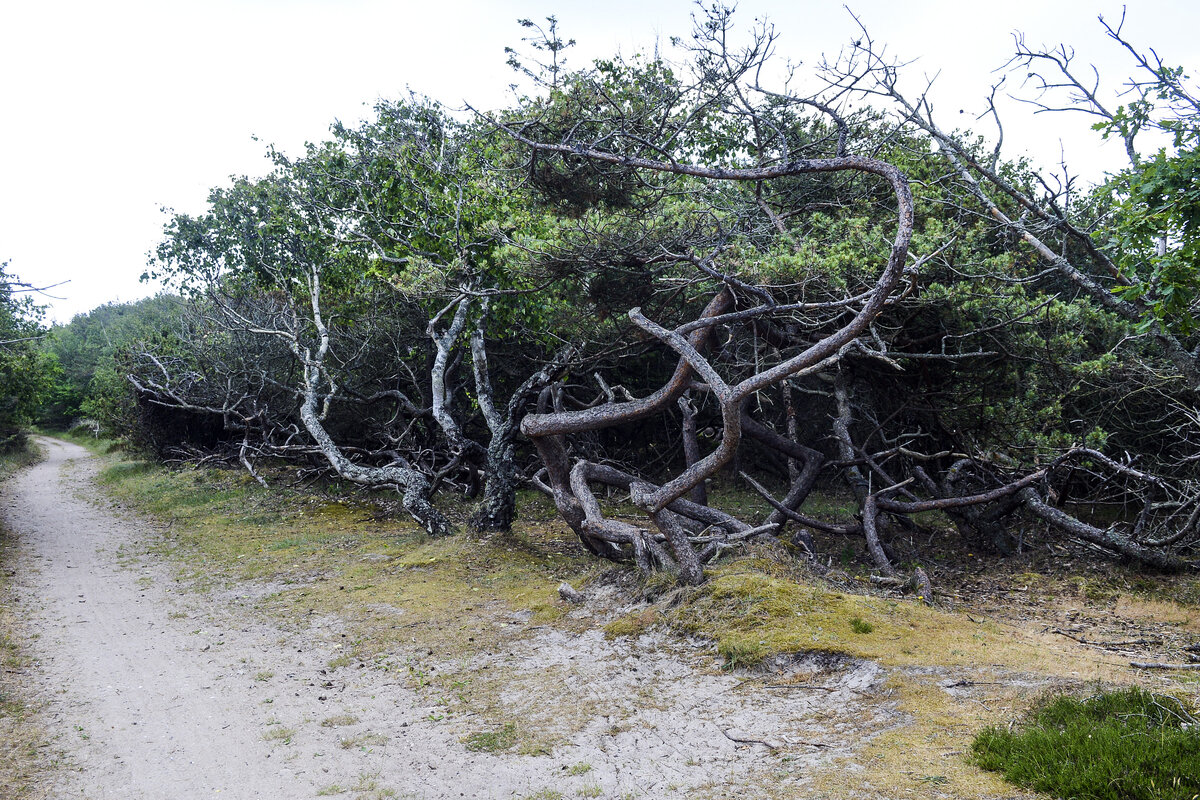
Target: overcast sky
(110, 111)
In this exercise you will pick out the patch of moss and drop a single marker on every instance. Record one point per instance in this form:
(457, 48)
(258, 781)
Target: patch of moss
(634, 624)
(924, 755)
(753, 615)
(1095, 591)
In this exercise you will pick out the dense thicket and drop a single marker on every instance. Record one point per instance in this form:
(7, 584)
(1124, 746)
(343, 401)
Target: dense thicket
(646, 274)
(25, 377)
(88, 357)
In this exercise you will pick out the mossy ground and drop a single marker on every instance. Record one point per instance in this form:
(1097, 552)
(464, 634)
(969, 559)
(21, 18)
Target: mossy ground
(446, 615)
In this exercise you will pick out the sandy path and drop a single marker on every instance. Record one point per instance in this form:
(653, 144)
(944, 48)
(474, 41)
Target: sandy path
(156, 692)
(141, 711)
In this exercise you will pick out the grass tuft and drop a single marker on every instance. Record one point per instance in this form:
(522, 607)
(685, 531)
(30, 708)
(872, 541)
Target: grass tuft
(338, 720)
(633, 625)
(492, 741)
(1126, 745)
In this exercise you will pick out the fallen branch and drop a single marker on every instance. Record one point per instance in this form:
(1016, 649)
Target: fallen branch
(569, 593)
(743, 740)
(918, 583)
(1105, 645)
(1158, 665)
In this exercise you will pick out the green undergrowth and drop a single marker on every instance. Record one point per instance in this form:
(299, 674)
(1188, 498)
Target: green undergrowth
(23, 456)
(1126, 745)
(98, 445)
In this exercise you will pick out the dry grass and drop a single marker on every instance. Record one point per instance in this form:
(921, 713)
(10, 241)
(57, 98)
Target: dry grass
(1163, 612)
(24, 749)
(23, 746)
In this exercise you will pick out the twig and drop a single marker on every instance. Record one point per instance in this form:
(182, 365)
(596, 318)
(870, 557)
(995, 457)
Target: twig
(962, 683)
(1157, 665)
(1105, 645)
(741, 740)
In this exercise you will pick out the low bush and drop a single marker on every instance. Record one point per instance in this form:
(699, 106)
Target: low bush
(1125, 745)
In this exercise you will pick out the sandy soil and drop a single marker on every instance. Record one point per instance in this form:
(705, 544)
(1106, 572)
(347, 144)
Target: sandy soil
(153, 691)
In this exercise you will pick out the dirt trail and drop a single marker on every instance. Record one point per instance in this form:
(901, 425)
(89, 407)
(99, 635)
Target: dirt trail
(138, 708)
(152, 691)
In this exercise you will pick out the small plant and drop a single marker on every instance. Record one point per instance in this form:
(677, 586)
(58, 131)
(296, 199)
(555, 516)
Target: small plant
(582, 768)
(1127, 745)
(590, 791)
(631, 624)
(492, 741)
(264, 676)
(338, 721)
(367, 788)
(363, 741)
(860, 625)
(280, 734)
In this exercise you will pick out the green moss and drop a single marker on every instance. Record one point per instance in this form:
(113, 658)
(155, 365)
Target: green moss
(1126, 745)
(754, 611)
(634, 624)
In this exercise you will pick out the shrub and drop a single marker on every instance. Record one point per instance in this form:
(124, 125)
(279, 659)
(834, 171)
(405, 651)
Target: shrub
(1125, 745)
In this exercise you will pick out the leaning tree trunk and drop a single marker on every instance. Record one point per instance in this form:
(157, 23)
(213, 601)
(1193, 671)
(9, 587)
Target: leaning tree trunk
(414, 487)
(499, 507)
(501, 479)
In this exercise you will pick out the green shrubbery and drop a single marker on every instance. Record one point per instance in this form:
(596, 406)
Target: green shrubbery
(1115, 746)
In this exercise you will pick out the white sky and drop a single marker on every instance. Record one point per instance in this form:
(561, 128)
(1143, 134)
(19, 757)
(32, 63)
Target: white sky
(111, 110)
